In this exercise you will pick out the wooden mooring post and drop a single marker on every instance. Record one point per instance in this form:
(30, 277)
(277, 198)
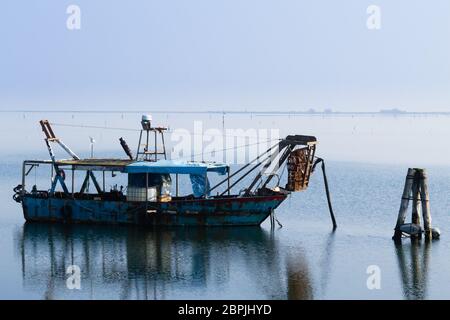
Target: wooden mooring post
(415, 189)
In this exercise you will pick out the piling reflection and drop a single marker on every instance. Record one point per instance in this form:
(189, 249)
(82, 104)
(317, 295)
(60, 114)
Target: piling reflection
(135, 263)
(327, 261)
(413, 260)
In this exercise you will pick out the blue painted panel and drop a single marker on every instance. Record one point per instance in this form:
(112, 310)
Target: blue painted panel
(176, 167)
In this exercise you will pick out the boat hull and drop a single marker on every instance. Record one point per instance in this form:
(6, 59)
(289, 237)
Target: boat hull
(251, 210)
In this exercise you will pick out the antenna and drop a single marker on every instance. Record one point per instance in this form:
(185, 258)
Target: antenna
(92, 140)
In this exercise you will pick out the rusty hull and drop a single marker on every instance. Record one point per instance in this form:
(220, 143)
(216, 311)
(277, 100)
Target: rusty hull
(232, 211)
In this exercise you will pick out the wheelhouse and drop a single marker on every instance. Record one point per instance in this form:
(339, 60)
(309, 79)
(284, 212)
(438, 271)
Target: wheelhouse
(146, 181)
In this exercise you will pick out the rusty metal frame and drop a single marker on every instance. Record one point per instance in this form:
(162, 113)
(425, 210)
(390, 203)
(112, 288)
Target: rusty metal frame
(146, 153)
(241, 169)
(283, 147)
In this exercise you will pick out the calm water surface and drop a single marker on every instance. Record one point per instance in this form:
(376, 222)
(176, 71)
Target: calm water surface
(302, 260)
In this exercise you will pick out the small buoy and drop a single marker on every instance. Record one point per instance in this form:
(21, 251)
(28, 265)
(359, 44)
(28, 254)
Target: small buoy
(411, 228)
(435, 233)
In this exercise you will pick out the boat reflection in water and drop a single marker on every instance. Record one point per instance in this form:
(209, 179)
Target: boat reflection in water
(172, 263)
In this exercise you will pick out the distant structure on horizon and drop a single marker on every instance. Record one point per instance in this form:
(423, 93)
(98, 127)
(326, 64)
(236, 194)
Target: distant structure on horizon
(392, 111)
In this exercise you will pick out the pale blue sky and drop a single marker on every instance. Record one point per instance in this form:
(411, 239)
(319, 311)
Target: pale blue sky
(225, 54)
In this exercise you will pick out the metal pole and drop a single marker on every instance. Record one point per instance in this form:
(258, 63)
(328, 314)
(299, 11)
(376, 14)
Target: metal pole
(244, 175)
(206, 184)
(139, 145)
(164, 145)
(51, 174)
(146, 192)
(156, 148)
(23, 175)
(70, 152)
(244, 167)
(281, 160)
(229, 191)
(281, 145)
(325, 180)
(146, 146)
(176, 184)
(73, 180)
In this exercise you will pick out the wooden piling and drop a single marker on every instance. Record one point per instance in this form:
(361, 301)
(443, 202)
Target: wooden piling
(404, 203)
(416, 200)
(416, 184)
(424, 196)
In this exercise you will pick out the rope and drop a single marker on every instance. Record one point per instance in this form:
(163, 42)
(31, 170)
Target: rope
(137, 130)
(226, 149)
(279, 223)
(194, 155)
(92, 127)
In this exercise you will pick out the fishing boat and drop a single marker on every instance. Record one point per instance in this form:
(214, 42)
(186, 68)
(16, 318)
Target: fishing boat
(151, 197)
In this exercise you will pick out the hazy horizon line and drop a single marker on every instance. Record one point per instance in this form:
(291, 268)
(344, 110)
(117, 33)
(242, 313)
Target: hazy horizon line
(310, 111)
